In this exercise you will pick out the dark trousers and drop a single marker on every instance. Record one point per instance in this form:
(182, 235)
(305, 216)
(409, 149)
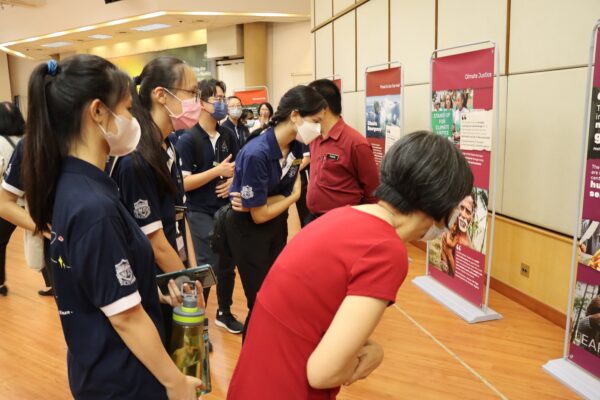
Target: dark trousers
(201, 227)
(255, 248)
(6, 231)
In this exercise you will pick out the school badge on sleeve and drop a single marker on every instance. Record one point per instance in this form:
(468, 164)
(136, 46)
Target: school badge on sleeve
(124, 273)
(141, 209)
(247, 192)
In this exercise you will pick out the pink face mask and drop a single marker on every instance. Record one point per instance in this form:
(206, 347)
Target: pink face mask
(190, 112)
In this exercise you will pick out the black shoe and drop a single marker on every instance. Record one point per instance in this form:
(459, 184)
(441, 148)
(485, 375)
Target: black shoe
(210, 349)
(3, 290)
(46, 292)
(228, 321)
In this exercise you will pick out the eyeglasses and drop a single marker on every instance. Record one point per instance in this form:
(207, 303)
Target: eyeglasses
(195, 92)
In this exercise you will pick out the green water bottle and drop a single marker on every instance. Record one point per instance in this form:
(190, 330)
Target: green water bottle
(187, 347)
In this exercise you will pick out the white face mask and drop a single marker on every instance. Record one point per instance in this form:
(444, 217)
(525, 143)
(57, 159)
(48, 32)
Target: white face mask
(308, 131)
(435, 231)
(127, 137)
(235, 112)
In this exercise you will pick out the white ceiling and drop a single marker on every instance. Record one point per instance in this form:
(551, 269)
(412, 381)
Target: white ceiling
(79, 19)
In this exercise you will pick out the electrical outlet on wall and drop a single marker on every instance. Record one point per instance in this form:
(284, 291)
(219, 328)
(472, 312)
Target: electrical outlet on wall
(525, 270)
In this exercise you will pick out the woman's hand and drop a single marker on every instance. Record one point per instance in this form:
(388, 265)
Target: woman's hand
(369, 358)
(175, 299)
(222, 188)
(297, 190)
(236, 202)
(186, 389)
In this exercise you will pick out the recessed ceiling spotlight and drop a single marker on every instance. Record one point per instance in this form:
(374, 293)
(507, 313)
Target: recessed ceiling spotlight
(100, 36)
(57, 44)
(150, 27)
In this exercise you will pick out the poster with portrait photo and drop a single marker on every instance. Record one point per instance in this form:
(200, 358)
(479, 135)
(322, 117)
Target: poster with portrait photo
(448, 108)
(460, 252)
(382, 123)
(585, 321)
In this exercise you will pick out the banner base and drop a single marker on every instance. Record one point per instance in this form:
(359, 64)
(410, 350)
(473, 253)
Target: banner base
(574, 377)
(454, 302)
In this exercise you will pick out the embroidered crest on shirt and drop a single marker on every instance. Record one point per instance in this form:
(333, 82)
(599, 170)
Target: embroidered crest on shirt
(247, 192)
(124, 273)
(141, 209)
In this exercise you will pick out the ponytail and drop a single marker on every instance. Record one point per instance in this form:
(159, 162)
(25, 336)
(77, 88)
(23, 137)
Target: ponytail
(57, 96)
(43, 152)
(166, 72)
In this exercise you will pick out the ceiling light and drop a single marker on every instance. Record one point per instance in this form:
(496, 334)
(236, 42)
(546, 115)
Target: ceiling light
(56, 44)
(150, 27)
(99, 36)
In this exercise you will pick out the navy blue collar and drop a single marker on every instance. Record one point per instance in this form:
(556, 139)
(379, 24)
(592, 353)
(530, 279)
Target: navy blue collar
(81, 167)
(274, 149)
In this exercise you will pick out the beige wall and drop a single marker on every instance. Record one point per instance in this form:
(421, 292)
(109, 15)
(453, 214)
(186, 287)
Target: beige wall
(541, 101)
(20, 69)
(289, 57)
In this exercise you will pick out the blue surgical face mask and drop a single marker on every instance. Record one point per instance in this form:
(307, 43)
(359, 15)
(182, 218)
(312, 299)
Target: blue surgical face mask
(220, 110)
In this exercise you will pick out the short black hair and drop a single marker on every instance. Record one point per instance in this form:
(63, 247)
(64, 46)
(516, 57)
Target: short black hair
(208, 87)
(330, 92)
(234, 97)
(11, 120)
(425, 172)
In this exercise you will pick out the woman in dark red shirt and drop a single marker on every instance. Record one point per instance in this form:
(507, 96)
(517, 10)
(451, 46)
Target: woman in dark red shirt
(325, 294)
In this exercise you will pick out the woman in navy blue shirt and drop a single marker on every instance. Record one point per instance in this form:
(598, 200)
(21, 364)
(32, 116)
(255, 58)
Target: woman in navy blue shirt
(266, 183)
(149, 179)
(103, 265)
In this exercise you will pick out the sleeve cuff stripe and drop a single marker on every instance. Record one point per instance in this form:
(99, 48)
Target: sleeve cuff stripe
(151, 228)
(12, 189)
(123, 304)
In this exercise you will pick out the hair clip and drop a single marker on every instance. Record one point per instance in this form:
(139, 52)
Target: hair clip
(52, 67)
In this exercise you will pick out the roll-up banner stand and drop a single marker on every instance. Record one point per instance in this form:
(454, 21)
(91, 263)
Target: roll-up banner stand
(579, 368)
(464, 108)
(384, 109)
(252, 97)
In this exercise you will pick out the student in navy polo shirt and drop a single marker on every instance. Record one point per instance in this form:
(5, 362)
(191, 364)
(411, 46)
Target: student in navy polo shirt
(207, 152)
(234, 121)
(149, 179)
(11, 209)
(267, 183)
(342, 169)
(103, 264)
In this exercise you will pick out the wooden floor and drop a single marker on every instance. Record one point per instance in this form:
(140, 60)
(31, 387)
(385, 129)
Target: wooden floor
(429, 352)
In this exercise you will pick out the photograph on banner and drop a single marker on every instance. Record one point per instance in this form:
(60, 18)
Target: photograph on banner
(589, 244)
(585, 321)
(382, 122)
(469, 230)
(449, 106)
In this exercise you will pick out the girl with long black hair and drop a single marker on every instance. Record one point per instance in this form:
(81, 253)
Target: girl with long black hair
(266, 183)
(149, 179)
(103, 265)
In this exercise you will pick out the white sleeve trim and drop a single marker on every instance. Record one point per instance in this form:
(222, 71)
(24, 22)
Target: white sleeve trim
(306, 154)
(123, 304)
(186, 173)
(12, 189)
(151, 228)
